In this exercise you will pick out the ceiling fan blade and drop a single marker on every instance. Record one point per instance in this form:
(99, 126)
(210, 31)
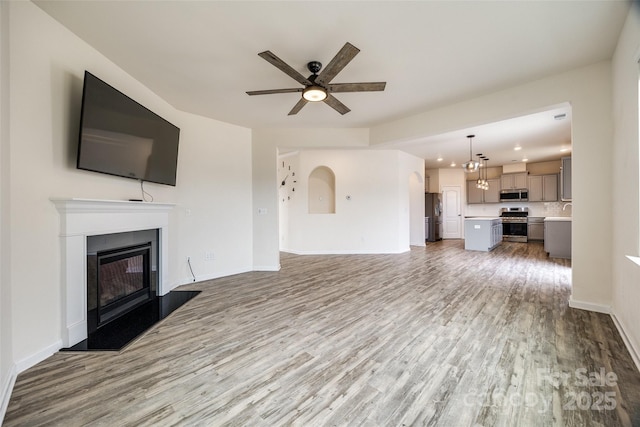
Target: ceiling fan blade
(336, 105)
(270, 91)
(284, 67)
(298, 106)
(342, 58)
(357, 87)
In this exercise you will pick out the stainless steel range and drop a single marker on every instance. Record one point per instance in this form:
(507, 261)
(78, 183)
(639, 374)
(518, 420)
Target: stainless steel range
(514, 224)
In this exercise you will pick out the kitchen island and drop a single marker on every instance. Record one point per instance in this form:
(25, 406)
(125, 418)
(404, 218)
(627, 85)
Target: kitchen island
(482, 233)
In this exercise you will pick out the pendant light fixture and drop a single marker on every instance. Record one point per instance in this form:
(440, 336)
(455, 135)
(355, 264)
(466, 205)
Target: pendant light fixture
(471, 165)
(483, 173)
(485, 181)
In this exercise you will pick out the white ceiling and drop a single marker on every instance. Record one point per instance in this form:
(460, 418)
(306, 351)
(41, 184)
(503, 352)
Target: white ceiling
(535, 137)
(201, 56)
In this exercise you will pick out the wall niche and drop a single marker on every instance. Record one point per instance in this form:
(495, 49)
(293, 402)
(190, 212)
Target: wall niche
(322, 191)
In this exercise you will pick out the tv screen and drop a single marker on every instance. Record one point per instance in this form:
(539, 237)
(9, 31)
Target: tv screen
(120, 137)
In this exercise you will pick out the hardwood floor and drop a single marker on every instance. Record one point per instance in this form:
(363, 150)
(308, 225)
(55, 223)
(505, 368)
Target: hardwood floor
(437, 336)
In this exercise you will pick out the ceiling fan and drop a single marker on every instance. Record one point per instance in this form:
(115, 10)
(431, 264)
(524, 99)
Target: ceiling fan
(317, 87)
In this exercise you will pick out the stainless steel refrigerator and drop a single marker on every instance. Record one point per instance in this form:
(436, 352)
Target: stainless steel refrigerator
(433, 216)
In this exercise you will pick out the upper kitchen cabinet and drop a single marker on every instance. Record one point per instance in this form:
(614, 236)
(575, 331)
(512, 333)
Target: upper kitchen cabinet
(543, 188)
(492, 195)
(476, 195)
(565, 179)
(513, 181)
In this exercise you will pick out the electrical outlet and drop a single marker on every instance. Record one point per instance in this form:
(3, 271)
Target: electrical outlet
(209, 256)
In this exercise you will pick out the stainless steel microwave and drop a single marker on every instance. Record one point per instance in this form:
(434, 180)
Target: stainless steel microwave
(518, 195)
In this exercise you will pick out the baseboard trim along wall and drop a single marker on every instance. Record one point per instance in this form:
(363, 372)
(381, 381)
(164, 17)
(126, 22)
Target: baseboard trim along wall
(38, 357)
(589, 306)
(605, 309)
(217, 275)
(266, 267)
(347, 252)
(633, 350)
(6, 390)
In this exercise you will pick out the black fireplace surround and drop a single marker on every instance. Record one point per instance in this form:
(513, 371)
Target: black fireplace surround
(122, 284)
(119, 280)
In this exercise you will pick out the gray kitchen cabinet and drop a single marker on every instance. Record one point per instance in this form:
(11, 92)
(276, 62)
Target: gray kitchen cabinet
(543, 188)
(476, 195)
(565, 179)
(511, 181)
(535, 228)
(492, 195)
(482, 234)
(557, 237)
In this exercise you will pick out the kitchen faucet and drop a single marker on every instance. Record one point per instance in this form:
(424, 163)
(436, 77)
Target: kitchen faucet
(566, 204)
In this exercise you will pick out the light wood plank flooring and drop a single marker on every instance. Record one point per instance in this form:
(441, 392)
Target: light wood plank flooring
(437, 336)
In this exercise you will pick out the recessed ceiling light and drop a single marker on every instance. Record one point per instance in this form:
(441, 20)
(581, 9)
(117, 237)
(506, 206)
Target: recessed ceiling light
(453, 164)
(517, 148)
(439, 159)
(525, 160)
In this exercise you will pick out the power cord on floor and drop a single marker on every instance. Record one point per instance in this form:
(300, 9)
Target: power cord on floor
(190, 268)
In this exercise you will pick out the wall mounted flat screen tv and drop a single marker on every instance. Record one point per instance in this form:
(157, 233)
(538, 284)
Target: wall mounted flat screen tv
(120, 137)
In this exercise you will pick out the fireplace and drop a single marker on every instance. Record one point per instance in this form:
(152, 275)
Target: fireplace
(82, 219)
(118, 281)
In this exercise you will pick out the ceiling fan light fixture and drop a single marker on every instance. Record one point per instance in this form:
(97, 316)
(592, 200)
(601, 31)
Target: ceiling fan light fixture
(314, 94)
(318, 86)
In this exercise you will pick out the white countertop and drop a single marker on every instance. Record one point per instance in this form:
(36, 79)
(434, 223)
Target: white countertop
(558, 218)
(481, 218)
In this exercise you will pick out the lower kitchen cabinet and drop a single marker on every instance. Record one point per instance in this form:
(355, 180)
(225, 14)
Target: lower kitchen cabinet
(557, 237)
(535, 229)
(482, 234)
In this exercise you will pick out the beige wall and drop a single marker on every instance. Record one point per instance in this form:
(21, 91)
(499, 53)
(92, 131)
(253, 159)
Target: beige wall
(361, 223)
(544, 168)
(265, 146)
(7, 367)
(625, 187)
(434, 180)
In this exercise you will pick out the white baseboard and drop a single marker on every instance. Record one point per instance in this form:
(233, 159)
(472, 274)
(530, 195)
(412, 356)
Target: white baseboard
(599, 308)
(347, 252)
(5, 392)
(38, 357)
(266, 267)
(589, 306)
(216, 275)
(633, 349)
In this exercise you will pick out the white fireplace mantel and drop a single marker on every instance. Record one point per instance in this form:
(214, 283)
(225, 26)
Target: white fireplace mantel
(80, 218)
